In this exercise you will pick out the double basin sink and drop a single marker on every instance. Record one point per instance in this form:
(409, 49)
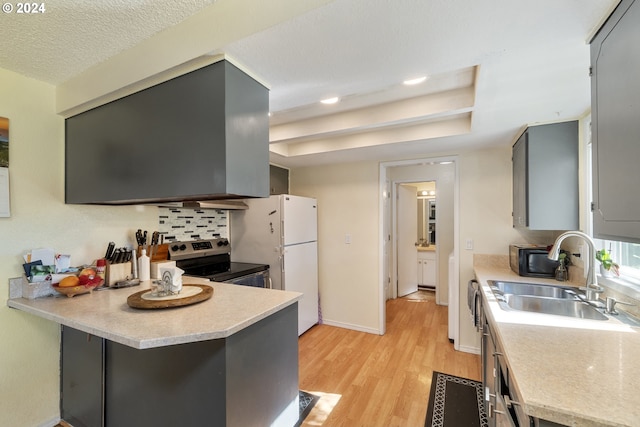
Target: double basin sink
(546, 299)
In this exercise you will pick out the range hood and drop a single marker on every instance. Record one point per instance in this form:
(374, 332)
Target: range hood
(202, 136)
(210, 204)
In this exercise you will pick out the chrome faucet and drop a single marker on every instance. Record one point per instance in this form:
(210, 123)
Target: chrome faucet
(592, 288)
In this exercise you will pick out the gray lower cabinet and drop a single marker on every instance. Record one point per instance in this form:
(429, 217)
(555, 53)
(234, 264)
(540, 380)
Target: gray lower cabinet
(615, 98)
(248, 378)
(82, 382)
(545, 177)
(488, 369)
(503, 404)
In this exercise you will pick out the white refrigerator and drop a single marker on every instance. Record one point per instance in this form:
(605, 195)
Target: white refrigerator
(282, 231)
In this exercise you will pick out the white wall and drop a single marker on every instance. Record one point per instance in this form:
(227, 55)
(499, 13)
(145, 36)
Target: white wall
(348, 203)
(348, 273)
(29, 349)
(485, 218)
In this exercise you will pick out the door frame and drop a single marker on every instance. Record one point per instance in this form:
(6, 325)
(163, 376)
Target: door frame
(387, 224)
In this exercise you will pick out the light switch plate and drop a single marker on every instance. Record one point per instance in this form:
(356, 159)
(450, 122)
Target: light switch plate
(469, 244)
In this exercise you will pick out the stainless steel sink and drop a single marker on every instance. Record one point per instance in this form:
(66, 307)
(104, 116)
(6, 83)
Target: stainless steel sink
(533, 289)
(544, 299)
(557, 306)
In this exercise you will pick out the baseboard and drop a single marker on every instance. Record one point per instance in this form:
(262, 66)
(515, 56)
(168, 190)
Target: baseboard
(53, 422)
(469, 349)
(351, 326)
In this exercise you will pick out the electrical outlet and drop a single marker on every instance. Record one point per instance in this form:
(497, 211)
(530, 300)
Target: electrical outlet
(583, 259)
(347, 239)
(469, 244)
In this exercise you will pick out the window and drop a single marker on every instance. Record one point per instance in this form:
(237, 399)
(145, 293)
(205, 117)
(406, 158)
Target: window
(627, 255)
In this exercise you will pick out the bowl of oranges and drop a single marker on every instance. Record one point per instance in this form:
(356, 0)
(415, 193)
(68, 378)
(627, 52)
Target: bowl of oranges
(83, 283)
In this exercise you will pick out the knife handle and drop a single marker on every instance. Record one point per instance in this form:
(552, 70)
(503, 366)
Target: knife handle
(109, 252)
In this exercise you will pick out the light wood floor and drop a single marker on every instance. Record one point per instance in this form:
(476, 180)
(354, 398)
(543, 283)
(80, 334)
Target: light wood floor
(370, 380)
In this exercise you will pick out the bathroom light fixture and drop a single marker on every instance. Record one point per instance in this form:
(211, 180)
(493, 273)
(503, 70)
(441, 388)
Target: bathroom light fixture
(425, 192)
(330, 100)
(415, 81)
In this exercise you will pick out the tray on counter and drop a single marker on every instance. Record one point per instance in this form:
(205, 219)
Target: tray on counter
(138, 301)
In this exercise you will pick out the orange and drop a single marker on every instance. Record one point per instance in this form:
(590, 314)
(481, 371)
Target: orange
(69, 281)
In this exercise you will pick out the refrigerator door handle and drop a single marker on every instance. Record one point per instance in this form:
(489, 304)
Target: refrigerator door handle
(282, 264)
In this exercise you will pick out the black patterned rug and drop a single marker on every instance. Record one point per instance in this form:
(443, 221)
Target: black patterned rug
(454, 402)
(307, 401)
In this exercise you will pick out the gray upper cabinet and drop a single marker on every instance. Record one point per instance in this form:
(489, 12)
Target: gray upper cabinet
(615, 97)
(200, 136)
(279, 180)
(545, 178)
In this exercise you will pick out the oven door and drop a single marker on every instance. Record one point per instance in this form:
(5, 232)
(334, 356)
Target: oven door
(257, 280)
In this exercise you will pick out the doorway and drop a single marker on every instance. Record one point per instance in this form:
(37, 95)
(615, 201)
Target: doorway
(415, 232)
(444, 172)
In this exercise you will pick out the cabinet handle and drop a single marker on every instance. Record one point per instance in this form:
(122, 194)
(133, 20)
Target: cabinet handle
(510, 402)
(493, 411)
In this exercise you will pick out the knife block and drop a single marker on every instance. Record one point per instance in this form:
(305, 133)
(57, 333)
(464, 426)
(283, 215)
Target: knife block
(160, 252)
(117, 272)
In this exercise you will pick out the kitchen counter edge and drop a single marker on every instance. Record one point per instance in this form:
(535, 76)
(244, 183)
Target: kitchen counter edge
(105, 314)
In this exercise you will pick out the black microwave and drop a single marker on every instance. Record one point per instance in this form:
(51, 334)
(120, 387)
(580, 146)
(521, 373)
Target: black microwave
(531, 261)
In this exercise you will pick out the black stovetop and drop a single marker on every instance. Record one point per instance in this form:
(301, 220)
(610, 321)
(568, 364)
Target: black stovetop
(219, 270)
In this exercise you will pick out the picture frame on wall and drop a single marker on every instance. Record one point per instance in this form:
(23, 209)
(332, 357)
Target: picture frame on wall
(5, 210)
(4, 142)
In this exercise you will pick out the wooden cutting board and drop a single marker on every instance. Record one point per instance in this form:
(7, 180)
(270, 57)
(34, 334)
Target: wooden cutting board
(137, 300)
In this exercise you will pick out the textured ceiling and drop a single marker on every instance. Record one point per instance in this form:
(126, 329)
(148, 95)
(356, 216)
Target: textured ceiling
(529, 62)
(73, 35)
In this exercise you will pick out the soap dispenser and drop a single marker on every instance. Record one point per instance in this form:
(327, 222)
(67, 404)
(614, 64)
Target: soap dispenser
(144, 266)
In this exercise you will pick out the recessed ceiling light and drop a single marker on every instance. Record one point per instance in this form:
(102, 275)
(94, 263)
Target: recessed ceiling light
(415, 81)
(330, 100)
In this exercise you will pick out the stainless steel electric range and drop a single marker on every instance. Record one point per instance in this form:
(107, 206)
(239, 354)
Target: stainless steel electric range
(211, 259)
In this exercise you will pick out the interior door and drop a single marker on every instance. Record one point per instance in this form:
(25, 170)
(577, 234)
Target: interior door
(407, 228)
(387, 245)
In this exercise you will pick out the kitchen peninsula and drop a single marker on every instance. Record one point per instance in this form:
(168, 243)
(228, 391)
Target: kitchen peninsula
(231, 360)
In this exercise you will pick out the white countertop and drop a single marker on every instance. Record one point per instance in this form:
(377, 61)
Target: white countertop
(105, 313)
(571, 371)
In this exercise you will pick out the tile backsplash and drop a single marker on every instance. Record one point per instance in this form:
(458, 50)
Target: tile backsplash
(180, 224)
